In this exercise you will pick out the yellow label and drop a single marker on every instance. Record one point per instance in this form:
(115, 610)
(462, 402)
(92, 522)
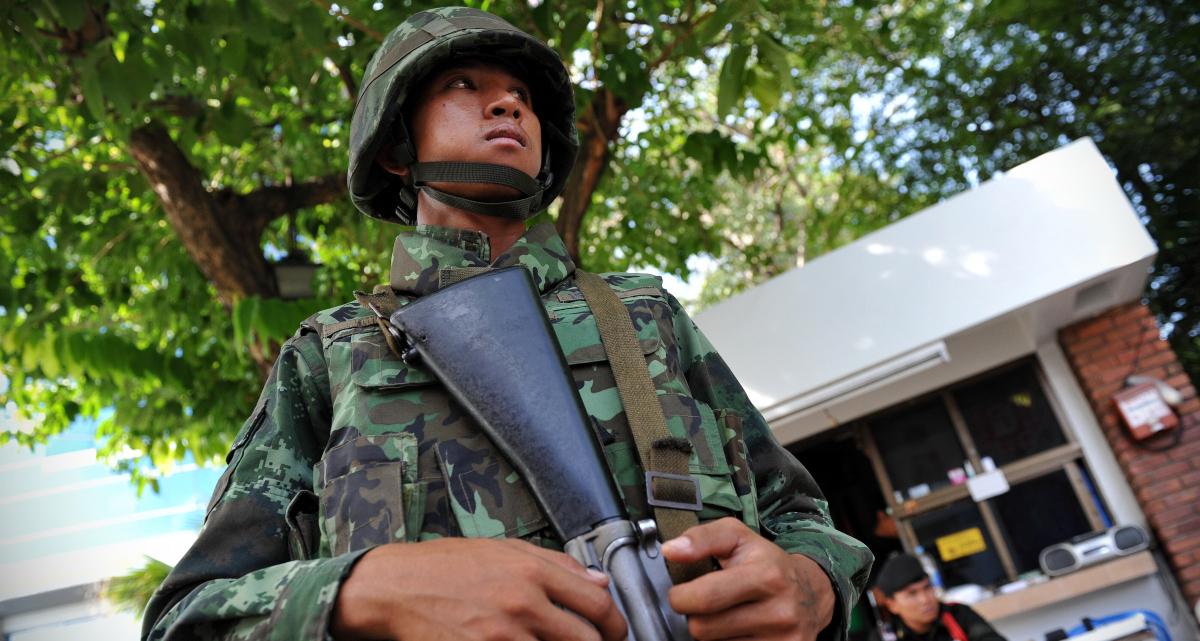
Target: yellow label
(960, 544)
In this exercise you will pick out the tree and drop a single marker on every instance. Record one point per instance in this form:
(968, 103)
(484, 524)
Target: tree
(156, 154)
(962, 91)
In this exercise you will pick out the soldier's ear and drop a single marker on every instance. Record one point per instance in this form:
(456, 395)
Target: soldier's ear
(386, 157)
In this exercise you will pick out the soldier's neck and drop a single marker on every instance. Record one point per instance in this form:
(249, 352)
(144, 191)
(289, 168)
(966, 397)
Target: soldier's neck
(502, 232)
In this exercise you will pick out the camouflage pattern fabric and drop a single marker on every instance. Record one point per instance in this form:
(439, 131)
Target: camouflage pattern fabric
(350, 448)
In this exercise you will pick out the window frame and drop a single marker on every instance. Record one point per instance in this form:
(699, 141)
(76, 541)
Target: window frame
(1067, 457)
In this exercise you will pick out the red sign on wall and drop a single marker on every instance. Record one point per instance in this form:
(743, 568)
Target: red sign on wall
(1145, 411)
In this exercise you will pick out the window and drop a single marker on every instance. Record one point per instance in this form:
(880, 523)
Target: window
(1008, 416)
(918, 446)
(1039, 513)
(921, 449)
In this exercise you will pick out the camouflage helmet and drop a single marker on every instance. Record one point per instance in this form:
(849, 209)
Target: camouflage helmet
(421, 45)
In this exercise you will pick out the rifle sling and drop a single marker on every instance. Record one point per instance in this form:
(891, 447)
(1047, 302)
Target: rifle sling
(672, 492)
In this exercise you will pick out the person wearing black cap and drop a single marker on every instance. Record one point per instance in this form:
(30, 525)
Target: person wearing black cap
(909, 596)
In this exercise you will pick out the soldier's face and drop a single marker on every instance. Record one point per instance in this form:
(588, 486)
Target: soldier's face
(917, 604)
(478, 112)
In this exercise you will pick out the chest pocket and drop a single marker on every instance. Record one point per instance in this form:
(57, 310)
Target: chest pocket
(366, 484)
(686, 417)
(463, 484)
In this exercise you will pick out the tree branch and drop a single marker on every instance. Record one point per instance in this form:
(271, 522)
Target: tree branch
(223, 243)
(670, 48)
(353, 22)
(182, 106)
(348, 81)
(268, 203)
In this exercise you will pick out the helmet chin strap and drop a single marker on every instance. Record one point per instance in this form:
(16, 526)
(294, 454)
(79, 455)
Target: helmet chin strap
(521, 208)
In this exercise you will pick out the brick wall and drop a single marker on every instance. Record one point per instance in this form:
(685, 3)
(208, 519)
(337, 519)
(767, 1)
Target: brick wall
(1103, 351)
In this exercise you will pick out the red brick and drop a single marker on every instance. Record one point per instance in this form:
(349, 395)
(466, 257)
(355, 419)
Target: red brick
(1189, 573)
(1180, 544)
(1185, 496)
(1101, 394)
(1139, 466)
(1093, 328)
(1188, 449)
(1159, 346)
(1179, 380)
(1167, 473)
(1111, 374)
(1191, 479)
(1159, 372)
(1160, 358)
(1081, 351)
(1175, 524)
(1128, 314)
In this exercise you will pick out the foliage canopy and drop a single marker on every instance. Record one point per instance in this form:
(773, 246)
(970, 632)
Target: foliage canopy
(153, 155)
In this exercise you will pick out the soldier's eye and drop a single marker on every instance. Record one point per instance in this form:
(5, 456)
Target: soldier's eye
(522, 94)
(460, 82)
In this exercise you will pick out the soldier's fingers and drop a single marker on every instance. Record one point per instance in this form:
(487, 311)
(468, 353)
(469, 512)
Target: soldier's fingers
(717, 591)
(759, 620)
(553, 624)
(566, 562)
(720, 539)
(589, 601)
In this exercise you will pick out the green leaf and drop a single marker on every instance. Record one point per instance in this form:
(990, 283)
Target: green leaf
(281, 10)
(731, 79)
(775, 57)
(93, 95)
(72, 13)
(117, 84)
(310, 22)
(766, 89)
(234, 54)
(244, 312)
(707, 33)
(574, 28)
(542, 17)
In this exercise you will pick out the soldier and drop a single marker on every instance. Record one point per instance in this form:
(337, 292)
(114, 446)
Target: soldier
(908, 595)
(361, 503)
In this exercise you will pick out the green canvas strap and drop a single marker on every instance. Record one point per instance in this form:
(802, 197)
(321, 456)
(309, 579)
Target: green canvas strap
(383, 301)
(447, 276)
(670, 490)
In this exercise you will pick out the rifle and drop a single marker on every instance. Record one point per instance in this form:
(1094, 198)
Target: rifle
(488, 340)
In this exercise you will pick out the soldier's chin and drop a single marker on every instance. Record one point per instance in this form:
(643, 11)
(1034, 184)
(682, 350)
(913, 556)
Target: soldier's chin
(484, 192)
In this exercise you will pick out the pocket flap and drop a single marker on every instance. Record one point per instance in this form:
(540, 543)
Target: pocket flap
(580, 338)
(367, 450)
(690, 419)
(374, 366)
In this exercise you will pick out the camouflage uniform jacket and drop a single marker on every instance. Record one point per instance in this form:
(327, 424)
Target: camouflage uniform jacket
(350, 448)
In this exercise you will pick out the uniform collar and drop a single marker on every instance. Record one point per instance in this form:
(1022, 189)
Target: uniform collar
(422, 252)
(905, 632)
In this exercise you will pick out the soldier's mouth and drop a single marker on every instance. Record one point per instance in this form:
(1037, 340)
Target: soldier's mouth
(506, 131)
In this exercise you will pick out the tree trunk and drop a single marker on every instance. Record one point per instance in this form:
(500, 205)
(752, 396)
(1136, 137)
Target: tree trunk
(598, 128)
(223, 244)
(222, 231)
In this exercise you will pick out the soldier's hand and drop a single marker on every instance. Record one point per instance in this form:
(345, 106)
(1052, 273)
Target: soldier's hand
(473, 589)
(760, 592)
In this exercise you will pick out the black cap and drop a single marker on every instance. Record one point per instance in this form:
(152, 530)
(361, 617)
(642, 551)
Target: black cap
(899, 572)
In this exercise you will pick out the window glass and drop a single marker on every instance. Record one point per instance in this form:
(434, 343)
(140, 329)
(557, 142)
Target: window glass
(1008, 416)
(918, 446)
(982, 567)
(1037, 514)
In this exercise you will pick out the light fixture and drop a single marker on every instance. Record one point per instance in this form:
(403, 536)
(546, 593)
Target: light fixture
(294, 272)
(863, 381)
